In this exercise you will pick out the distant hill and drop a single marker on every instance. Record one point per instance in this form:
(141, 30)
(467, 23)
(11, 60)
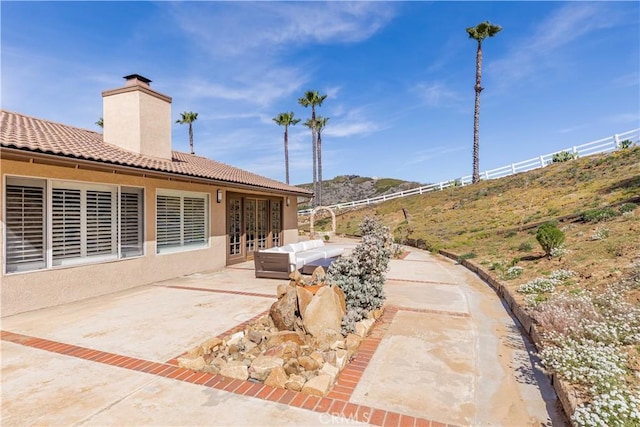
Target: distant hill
(347, 188)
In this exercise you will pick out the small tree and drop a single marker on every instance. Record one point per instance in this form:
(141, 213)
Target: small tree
(626, 144)
(361, 274)
(550, 237)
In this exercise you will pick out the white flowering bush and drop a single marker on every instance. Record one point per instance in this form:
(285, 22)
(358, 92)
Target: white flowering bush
(360, 275)
(587, 338)
(585, 362)
(538, 285)
(600, 233)
(615, 408)
(561, 275)
(559, 252)
(565, 313)
(512, 273)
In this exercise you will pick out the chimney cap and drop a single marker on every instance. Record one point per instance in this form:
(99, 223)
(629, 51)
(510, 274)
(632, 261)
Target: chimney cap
(138, 77)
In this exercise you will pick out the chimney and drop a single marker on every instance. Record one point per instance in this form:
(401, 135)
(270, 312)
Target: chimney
(137, 118)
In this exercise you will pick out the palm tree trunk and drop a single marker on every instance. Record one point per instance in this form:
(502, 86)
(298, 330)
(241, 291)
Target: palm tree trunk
(286, 152)
(314, 155)
(191, 138)
(319, 169)
(476, 117)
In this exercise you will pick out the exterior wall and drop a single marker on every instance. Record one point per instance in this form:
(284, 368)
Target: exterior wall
(27, 291)
(290, 221)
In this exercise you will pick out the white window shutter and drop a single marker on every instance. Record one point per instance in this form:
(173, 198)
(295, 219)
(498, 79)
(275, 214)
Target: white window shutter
(168, 221)
(99, 210)
(66, 219)
(25, 224)
(194, 220)
(131, 222)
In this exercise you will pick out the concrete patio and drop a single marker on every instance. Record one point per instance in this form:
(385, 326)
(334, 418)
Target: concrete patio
(445, 352)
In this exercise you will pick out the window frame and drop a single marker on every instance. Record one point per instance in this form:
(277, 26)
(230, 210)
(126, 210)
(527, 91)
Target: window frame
(182, 246)
(48, 186)
(84, 188)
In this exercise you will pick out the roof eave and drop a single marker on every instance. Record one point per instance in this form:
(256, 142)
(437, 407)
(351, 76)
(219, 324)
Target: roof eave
(18, 153)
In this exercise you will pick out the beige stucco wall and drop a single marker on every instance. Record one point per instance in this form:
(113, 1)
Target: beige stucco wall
(138, 120)
(21, 292)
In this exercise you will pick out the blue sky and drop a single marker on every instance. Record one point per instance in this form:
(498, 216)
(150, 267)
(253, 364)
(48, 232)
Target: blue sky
(399, 77)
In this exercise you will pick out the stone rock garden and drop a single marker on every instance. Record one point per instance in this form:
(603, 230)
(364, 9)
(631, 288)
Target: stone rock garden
(313, 329)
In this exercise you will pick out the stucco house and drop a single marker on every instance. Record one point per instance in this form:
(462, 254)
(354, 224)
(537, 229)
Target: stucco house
(85, 214)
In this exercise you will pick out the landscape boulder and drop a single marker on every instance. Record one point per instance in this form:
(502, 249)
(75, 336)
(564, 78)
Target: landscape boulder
(324, 312)
(283, 311)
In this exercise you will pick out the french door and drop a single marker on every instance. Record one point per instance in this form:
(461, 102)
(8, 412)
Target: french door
(252, 224)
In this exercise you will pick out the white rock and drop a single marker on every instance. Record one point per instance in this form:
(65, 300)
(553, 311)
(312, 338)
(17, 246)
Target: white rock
(317, 386)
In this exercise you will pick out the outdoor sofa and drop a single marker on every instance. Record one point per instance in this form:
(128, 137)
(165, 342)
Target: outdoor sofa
(281, 261)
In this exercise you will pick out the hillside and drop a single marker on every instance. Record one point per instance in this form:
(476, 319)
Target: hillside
(346, 188)
(585, 299)
(495, 220)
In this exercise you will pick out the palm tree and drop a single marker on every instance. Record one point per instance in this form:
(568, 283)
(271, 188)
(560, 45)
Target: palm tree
(321, 122)
(188, 117)
(286, 120)
(100, 122)
(479, 33)
(313, 98)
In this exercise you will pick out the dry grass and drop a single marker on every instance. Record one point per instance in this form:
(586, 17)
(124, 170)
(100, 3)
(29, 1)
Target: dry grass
(496, 220)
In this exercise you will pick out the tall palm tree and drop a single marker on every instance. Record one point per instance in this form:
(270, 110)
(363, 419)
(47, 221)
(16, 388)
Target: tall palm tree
(312, 98)
(479, 33)
(321, 122)
(188, 117)
(100, 122)
(286, 120)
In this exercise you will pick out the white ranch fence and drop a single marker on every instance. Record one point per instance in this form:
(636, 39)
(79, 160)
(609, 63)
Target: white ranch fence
(605, 145)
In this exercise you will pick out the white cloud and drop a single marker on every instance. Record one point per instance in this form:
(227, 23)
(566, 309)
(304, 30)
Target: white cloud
(574, 128)
(627, 80)
(234, 28)
(631, 119)
(542, 48)
(437, 94)
(345, 129)
(431, 153)
(261, 86)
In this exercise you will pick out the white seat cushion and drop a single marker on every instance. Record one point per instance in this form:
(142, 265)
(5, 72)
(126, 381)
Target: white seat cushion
(297, 247)
(308, 245)
(330, 252)
(308, 256)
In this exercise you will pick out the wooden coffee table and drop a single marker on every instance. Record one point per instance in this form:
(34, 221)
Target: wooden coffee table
(324, 263)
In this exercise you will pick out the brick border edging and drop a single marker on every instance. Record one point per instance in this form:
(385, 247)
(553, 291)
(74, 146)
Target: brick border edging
(567, 398)
(335, 404)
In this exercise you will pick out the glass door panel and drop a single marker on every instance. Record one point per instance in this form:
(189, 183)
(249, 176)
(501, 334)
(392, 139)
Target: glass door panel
(276, 223)
(250, 226)
(262, 225)
(234, 216)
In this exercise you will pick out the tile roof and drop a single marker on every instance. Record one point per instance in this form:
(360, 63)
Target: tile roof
(42, 136)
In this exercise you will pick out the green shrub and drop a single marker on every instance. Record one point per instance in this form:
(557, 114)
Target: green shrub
(563, 156)
(597, 215)
(360, 275)
(550, 237)
(525, 247)
(469, 255)
(627, 207)
(626, 143)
